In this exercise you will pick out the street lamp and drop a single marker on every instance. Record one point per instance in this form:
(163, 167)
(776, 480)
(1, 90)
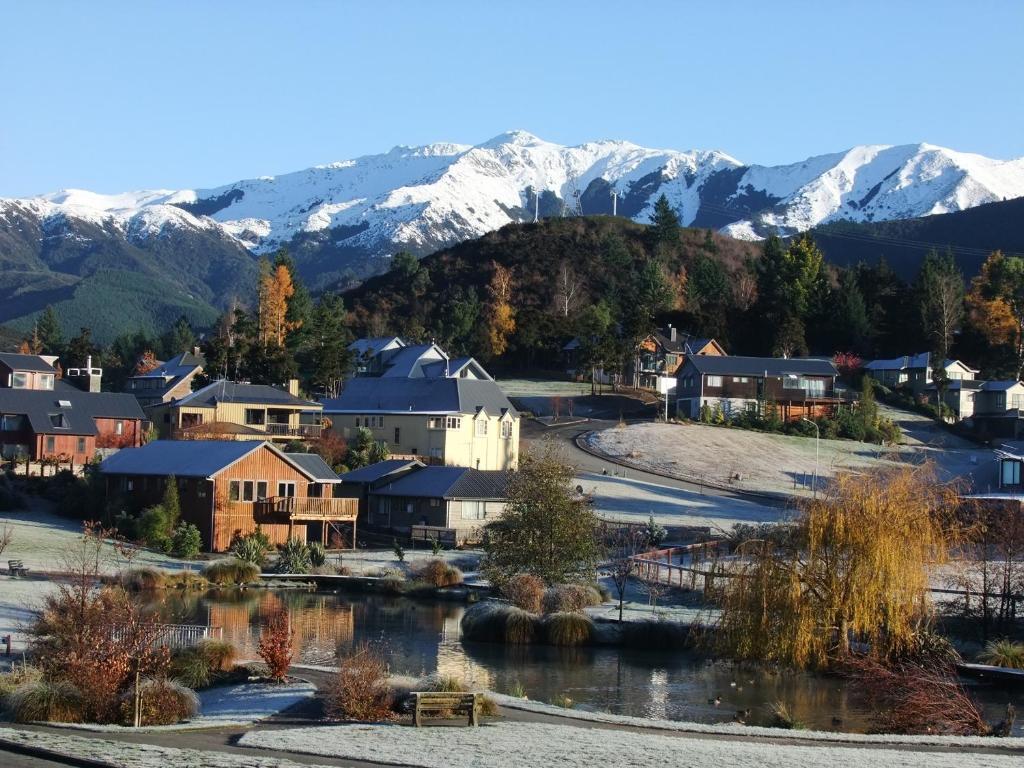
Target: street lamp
(817, 440)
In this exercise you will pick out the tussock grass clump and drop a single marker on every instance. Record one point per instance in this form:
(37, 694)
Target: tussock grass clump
(443, 684)
(563, 701)
(164, 702)
(568, 629)
(219, 655)
(144, 579)
(493, 622)
(654, 633)
(1003, 653)
(46, 701)
(185, 580)
(570, 598)
(782, 717)
(231, 571)
(524, 591)
(438, 573)
(189, 668)
(18, 676)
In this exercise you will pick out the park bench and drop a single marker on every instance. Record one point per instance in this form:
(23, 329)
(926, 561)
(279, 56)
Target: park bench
(16, 568)
(440, 706)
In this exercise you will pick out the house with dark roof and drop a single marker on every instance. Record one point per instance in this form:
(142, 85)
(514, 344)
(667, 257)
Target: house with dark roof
(659, 355)
(229, 410)
(915, 371)
(43, 417)
(454, 421)
(398, 497)
(796, 387)
(998, 408)
(170, 380)
(394, 358)
(229, 488)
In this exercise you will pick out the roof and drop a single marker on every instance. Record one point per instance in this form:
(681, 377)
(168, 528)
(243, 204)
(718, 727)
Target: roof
(18, 362)
(398, 395)
(187, 458)
(454, 368)
(232, 392)
(374, 346)
(176, 367)
(80, 413)
(315, 466)
(998, 386)
(955, 384)
(920, 360)
(447, 483)
(374, 472)
(760, 366)
(403, 362)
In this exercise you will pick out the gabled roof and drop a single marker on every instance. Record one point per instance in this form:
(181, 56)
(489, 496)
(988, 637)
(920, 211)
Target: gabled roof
(19, 362)
(404, 362)
(428, 396)
(374, 472)
(760, 366)
(998, 386)
(188, 458)
(314, 465)
(909, 362)
(455, 368)
(176, 367)
(374, 346)
(231, 392)
(79, 409)
(446, 483)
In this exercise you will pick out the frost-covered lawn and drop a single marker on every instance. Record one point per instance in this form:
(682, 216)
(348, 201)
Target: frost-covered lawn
(532, 744)
(765, 462)
(623, 498)
(371, 562)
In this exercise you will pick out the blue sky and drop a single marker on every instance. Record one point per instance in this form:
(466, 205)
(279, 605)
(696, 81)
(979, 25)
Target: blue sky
(114, 96)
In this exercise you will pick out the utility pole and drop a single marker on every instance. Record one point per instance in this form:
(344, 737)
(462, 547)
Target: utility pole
(615, 203)
(536, 206)
(817, 440)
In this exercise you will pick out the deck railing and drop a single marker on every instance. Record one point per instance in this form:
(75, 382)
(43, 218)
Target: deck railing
(310, 507)
(283, 429)
(181, 635)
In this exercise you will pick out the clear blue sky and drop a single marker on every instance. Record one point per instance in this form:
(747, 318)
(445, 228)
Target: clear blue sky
(127, 95)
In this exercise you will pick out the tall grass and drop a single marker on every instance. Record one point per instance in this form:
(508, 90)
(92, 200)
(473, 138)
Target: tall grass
(524, 591)
(568, 629)
(438, 573)
(493, 622)
(231, 571)
(144, 579)
(45, 701)
(164, 702)
(570, 598)
(783, 717)
(1003, 653)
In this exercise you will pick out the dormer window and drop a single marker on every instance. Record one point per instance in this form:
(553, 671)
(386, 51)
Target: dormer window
(19, 380)
(45, 381)
(59, 421)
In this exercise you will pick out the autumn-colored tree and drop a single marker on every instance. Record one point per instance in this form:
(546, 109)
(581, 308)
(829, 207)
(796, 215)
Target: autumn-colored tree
(996, 304)
(275, 646)
(502, 316)
(275, 290)
(855, 567)
(146, 363)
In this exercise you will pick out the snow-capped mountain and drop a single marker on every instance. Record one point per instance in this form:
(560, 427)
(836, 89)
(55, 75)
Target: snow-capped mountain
(346, 214)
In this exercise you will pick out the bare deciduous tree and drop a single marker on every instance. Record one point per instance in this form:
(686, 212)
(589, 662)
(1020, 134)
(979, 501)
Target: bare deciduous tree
(567, 288)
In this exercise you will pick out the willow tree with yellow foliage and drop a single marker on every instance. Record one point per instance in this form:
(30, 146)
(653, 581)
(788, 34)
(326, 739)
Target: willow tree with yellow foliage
(853, 567)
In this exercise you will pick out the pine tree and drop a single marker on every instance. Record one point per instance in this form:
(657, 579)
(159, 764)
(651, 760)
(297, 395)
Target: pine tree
(51, 338)
(80, 348)
(179, 338)
(328, 356)
(171, 505)
(665, 223)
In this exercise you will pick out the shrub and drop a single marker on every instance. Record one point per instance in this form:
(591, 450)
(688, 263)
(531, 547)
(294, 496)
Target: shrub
(654, 533)
(571, 598)
(317, 554)
(563, 701)
(185, 580)
(517, 689)
(783, 717)
(252, 547)
(493, 622)
(46, 701)
(524, 591)
(219, 655)
(293, 557)
(144, 579)
(360, 690)
(275, 646)
(186, 542)
(152, 528)
(190, 669)
(399, 551)
(568, 629)
(443, 684)
(231, 571)
(437, 573)
(164, 702)
(18, 676)
(1003, 653)
(435, 547)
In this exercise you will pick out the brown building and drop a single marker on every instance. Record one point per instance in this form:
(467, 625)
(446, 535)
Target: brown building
(659, 356)
(230, 487)
(796, 387)
(44, 417)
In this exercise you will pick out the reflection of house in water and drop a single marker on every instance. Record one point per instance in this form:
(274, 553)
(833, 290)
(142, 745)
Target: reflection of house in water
(453, 661)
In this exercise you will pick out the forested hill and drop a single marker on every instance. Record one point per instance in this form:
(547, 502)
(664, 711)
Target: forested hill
(971, 235)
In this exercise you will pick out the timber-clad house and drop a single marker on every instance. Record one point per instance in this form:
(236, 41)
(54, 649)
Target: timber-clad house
(229, 488)
(796, 387)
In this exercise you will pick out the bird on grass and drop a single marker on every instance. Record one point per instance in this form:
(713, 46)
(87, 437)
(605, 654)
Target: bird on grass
(715, 701)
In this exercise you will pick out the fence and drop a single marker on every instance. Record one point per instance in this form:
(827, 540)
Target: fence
(182, 635)
(658, 566)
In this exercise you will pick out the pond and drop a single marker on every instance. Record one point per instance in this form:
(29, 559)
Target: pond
(423, 636)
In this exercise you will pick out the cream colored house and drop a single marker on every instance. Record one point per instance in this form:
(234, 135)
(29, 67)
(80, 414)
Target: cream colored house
(457, 421)
(227, 410)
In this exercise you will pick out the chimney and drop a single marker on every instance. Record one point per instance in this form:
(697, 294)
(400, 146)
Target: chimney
(671, 332)
(293, 387)
(195, 351)
(86, 378)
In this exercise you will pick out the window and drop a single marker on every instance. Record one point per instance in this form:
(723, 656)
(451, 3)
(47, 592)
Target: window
(1011, 472)
(481, 427)
(357, 422)
(261, 489)
(51, 443)
(506, 429)
(80, 445)
(435, 422)
(473, 509)
(59, 420)
(248, 490)
(741, 379)
(19, 380)
(815, 387)
(46, 381)
(435, 453)
(1017, 402)
(453, 422)
(713, 381)
(789, 381)
(234, 490)
(12, 422)
(435, 502)
(286, 489)
(398, 436)
(255, 416)
(119, 428)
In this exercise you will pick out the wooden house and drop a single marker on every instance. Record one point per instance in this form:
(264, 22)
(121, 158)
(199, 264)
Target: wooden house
(229, 488)
(660, 354)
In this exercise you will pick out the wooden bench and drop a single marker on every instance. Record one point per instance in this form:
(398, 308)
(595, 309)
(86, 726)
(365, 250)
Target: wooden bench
(440, 706)
(16, 568)
(431, 533)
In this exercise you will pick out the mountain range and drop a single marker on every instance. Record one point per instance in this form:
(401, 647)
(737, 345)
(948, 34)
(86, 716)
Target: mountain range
(161, 253)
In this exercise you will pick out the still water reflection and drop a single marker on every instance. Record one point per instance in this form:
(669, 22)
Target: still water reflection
(423, 637)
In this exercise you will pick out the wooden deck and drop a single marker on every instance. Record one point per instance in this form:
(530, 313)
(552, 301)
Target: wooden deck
(310, 507)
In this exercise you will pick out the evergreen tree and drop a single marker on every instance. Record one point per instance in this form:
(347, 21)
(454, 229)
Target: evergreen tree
(664, 223)
(51, 338)
(851, 328)
(179, 338)
(328, 357)
(80, 348)
(171, 506)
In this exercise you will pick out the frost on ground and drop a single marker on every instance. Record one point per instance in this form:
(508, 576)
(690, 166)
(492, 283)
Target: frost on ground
(129, 755)
(533, 744)
(623, 498)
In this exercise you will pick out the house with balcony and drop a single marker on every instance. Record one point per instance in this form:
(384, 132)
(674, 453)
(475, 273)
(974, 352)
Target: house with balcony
(457, 420)
(228, 410)
(659, 355)
(44, 417)
(998, 409)
(229, 488)
(795, 387)
(914, 372)
(170, 380)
